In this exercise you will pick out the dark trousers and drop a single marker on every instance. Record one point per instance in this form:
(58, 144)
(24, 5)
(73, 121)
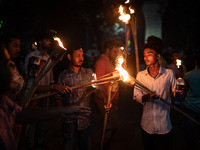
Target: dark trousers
(155, 141)
(74, 138)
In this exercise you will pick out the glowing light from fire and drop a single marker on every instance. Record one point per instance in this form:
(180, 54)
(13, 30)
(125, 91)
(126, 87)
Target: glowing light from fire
(178, 63)
(127, 2)
(124, 17)
(122, 72)
(132, 11)
(59, 42)
(95, 79)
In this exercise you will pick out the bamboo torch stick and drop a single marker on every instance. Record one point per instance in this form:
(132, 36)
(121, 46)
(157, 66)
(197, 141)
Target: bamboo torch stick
(54, 58)
(106, 116)
(132, 81)
(104, 80)
(134, 33)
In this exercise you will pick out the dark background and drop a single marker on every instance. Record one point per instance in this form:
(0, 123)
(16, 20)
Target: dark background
(90, 22)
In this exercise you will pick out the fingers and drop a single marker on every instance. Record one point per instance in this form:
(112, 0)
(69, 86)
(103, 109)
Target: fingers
(154, 96)
(68, 89)
(108, 108)
(76, 112)
(63, 89)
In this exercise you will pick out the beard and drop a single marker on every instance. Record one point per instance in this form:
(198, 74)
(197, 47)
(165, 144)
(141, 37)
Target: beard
(78, 64)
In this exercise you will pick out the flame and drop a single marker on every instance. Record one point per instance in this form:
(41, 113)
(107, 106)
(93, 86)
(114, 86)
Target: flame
(132, 11)
(122, 72)
(127, 2)
(95, 79)
(178, 63)
(124, 17)
(59, 42)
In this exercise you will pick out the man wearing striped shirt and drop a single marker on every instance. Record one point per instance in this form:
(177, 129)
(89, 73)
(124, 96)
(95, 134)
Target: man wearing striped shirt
(77, 133)
(155, 122)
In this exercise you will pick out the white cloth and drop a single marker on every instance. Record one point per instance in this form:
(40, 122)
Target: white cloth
(156, 114)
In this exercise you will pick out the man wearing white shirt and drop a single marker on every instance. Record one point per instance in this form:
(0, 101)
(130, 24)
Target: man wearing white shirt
(155, 122)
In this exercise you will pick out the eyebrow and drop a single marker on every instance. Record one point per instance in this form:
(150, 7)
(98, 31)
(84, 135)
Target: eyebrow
(148, 52)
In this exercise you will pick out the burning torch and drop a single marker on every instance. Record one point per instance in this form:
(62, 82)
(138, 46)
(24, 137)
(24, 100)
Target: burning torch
(36, 72)
(130, 18)
(133, 82)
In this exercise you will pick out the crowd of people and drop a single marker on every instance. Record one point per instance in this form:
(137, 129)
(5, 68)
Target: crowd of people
(76, 106)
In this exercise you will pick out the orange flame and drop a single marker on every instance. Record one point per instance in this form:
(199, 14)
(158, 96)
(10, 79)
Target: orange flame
(124, 17)
(122, 72)
(132, 11)
(127, 2)
(59, 42)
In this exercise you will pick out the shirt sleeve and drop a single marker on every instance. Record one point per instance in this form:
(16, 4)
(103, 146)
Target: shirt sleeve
(26, 62)
(173, 84)
(59, 82)
(137, 93)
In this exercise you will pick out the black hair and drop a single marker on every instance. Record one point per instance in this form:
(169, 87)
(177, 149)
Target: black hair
(43, 35)
(73, 47)
(111, 43)
(7, 37)
(154, 43)
(154, 40)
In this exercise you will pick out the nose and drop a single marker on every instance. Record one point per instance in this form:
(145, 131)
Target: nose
(145, 58)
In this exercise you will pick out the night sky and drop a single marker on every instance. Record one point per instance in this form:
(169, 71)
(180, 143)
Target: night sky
(86, 21)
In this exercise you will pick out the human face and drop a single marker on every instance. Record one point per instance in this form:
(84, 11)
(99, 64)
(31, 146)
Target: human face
(14, 47)
(77, 58)
(175, 56)
(46, 43)
(150, 56)
(114, 52)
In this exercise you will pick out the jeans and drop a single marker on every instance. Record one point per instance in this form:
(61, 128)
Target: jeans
(74, 138)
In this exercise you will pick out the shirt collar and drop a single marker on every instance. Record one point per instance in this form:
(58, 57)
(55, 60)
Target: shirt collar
(161, 71)
(80, 70)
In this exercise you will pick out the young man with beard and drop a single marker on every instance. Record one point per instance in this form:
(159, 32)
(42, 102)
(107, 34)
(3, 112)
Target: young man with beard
(104, 65)
(155, 122)
(77, 133)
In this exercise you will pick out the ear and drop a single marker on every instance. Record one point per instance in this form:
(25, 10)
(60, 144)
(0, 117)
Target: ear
(158, 56)
(69, 57)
